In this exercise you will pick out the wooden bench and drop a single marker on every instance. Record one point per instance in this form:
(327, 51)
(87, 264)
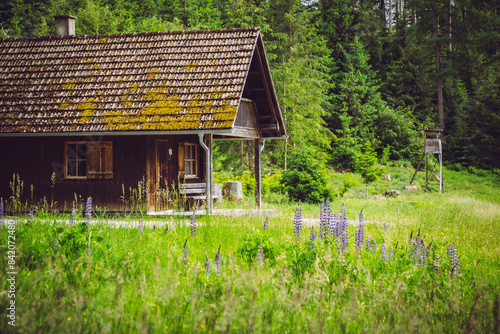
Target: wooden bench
(195, 192)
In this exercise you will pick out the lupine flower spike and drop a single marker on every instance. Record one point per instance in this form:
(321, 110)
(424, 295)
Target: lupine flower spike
(260, 256)
(207, 265)
(217, 263)
(383, 252)
(391, 254)
(140, 227)
(185, 256)
(166, 230)
(31, 217)
(88, 209)
(314, 236)
(297, 223)
(54, 243)
(437, 265)
(72, 218)
(193, 225)
(360, 233)
(1, 213)
(266, 224)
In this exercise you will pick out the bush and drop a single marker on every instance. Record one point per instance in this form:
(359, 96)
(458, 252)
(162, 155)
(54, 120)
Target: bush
(306, 180)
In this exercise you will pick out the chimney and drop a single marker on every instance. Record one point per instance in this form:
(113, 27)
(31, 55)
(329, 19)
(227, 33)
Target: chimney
(65, 25)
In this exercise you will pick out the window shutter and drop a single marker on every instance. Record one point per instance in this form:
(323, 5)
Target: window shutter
(100, 160)
(180, 157)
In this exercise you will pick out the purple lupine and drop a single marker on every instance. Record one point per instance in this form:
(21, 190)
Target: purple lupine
(31, 217)
(423, 255)
(260, 256)
(140, 226)
(437, 265)
(88, 209)
(391, 254)
(374, 246)
(336, 226)
(386, 226)
(323, 225)
(313, 237)
(72, 218)
(166, 230)
(343, 219)
(368, 243)
(217, 263)
(360, 233)
(193, 225)
(383, 252)
(185, 256)
(1, 212)
(54, 243)
(297, 223)
(266, 224)
(207, 265)
(344, 246)
(454, 263)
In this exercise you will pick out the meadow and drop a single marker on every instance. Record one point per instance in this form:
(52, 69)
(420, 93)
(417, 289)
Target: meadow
(418, 262)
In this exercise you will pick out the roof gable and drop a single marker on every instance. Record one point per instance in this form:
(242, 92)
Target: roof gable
(165, 81)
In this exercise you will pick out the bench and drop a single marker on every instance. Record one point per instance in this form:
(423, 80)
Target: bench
(195, 192)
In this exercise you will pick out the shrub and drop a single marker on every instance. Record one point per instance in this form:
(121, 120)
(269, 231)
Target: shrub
(306, 180)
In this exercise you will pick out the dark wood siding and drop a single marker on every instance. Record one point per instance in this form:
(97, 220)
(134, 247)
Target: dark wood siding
(134, 158)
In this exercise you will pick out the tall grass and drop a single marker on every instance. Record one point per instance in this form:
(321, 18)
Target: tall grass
(137, 282)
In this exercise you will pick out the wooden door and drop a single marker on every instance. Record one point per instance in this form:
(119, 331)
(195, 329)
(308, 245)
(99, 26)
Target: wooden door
(163, 153)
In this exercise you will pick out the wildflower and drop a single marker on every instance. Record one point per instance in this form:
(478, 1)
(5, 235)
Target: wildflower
(391, 254)
(323, 227)
(344, 246)
(166, 230)
(266, 224)
(185, 257)
(72, 217)
(383, 252)
(454, 263)
(193, 225)
(437, 265)
(368, 243)
(1, 212)
(31, 217)
(386, 226)
(89, 252)
(140, 227)
(360, 233)
(217, 263)
(314, 236)
(260, 256)
(88, 209)
(297, 223)
(54, 243)
(207, 265)
(374, 246)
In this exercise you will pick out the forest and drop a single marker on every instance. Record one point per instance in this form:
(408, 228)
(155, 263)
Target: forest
(357, 81)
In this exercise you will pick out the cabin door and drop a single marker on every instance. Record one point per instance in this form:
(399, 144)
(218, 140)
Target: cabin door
(163, 154)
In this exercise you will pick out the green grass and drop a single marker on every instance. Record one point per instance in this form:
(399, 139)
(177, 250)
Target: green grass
(137, 282)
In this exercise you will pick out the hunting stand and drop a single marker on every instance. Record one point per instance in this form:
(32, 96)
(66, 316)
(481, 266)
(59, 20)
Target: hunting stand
(432, 145)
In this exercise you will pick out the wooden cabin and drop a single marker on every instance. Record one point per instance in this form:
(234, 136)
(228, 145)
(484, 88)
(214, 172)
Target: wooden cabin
(105, 112)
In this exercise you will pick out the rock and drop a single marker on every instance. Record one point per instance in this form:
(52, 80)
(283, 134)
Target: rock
(233, 190)
(387, 177)
(410, 188)
(217, 192)
(393, 193)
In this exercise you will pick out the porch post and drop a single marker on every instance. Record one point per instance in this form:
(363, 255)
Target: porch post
(258, 164)
(208, 172)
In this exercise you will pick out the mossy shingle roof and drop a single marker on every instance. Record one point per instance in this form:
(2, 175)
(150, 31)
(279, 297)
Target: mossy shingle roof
(190, 80)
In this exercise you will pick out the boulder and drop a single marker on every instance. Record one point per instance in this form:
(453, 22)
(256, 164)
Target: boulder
(233, 191)
(410, 188)
(393, 193)
(387, 177)
(217, 192)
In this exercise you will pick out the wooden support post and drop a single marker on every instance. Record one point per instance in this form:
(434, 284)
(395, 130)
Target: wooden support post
(258, 169)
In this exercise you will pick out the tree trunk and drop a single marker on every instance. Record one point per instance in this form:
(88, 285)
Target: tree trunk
(435, 34)
(448, 24)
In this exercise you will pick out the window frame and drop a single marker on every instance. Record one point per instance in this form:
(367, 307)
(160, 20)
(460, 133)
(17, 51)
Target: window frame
(193, 161)
(66, 160)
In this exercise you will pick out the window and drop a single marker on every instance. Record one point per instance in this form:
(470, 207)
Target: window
(89, 160)
(188, 160)
(191, 159)
(76, 160)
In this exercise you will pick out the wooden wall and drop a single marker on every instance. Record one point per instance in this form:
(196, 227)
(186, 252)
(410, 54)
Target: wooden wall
(36, 158)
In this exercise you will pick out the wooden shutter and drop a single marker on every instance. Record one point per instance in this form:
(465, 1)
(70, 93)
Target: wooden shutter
(100, 160)
(180, 157)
